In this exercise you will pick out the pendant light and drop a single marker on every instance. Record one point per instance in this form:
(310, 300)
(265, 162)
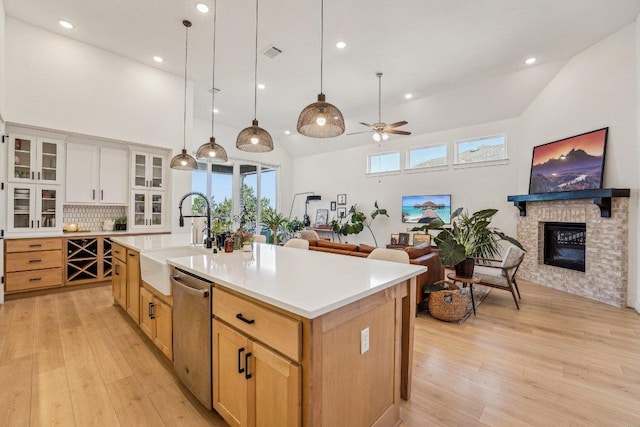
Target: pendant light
(184, 161)
(321, 119)
(254, 138)
(211, 150)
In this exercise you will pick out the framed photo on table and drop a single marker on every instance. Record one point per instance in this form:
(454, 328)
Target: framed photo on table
(322, 216)
(394, 239)
(342, 199)
(419, 239)
(403, 238)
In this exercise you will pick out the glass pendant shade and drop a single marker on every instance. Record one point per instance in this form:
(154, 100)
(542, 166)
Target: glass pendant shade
(254, 139)
(321, 120)
(212, 151)
(184, 162)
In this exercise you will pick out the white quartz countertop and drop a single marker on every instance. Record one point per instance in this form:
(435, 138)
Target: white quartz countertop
(307, 283)
(154, 241)
(75, 234)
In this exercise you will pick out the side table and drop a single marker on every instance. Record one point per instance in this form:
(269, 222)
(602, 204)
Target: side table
(466, 281)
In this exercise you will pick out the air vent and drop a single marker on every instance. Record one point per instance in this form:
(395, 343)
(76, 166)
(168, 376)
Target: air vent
(214, 88)
(272, 52)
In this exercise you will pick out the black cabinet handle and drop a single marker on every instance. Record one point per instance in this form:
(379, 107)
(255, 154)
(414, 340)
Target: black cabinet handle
(38, 224)
(38, 176)
(31, 223)
(117, 269)
(36, 245)
(151, 313)
(35, 279)
(33, 175)
(132, 255)
(244, 319)
(34, 260)
(240, 368)
(93, 197)
(247, 375)
(101, 194)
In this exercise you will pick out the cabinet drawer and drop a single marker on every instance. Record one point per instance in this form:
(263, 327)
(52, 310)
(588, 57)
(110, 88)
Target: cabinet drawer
(273, 329)
(119, 252)
(28, 245)
(33, 260)
(26, 280)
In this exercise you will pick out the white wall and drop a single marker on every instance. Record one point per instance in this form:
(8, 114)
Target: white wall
(595, 89)
(2, 62)
(62, 84)
(473, 188)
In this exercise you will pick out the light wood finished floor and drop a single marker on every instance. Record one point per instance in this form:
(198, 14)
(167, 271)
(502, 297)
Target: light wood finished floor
(73, 358)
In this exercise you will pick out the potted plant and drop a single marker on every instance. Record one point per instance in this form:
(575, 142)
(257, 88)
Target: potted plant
(468, 238)
(356, 221)
(274, 221)
(293, 226)
(120, 223)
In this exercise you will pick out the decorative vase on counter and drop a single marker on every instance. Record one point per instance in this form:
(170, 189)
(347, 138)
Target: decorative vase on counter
(228, 244)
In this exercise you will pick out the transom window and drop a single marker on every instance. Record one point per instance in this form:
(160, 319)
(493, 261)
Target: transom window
(485, 149)
(383, 163)
(427, 157)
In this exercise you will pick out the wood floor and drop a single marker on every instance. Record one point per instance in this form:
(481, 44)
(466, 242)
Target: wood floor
(73, 358)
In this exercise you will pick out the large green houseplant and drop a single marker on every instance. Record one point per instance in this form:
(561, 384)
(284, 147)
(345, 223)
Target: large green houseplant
(356, 221)
(469, 237)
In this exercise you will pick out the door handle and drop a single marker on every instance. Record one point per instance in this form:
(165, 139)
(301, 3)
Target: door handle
(247, 375)
(117, 269)
(94, 195)
(31, 223)
(151, 313)
(33, 175)
(38, 224)
(38, 176)
(244, 319)
(101, 194)
(240, 368)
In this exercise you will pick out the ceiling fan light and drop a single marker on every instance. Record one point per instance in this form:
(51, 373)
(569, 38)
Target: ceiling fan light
(376, 137)
(212, 151)
(321, 120)
(183, 161)
(385, 136)
(254, 139)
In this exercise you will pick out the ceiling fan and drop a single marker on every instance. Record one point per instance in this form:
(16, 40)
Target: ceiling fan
(382, 130)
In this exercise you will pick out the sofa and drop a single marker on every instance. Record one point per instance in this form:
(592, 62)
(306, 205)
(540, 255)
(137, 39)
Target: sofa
(420, 255)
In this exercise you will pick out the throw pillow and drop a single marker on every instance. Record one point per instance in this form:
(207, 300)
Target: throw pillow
(418, 251)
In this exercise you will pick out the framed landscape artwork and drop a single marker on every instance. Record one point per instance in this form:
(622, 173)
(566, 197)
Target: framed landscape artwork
(322, 215)
(575, 163)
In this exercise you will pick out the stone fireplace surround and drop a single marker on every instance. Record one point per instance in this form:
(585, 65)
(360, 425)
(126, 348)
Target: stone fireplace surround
(606, 275)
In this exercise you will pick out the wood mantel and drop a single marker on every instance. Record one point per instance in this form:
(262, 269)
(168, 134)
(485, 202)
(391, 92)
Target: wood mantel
(601, 197)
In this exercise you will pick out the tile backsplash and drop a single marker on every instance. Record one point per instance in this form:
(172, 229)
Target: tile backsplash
(90, 217)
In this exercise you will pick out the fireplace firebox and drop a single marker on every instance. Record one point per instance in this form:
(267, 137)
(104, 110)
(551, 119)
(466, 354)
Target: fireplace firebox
(564, 244)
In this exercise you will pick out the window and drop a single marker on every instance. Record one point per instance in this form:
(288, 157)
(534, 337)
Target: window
(253, 182)
(427, 157)
(486, 149)
(382, 163)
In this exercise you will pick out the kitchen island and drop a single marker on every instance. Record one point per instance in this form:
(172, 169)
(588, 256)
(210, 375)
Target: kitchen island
(303, 338)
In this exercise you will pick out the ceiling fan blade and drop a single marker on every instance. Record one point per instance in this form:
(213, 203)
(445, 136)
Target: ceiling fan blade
(366, 124)
(398, 132)
(397, 124)
(356, 133)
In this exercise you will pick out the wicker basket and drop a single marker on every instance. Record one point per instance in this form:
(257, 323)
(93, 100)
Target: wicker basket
(448, 305)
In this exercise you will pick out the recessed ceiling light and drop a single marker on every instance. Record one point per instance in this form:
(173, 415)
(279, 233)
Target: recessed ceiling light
(341, 45)
(202, 8)
(158, 59)
(408, 95)
(216, 111)
(287, 132)
(65, 24)
(530, 61)
(261, 86)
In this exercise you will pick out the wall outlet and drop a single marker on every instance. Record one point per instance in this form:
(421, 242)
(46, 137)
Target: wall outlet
(364, 340)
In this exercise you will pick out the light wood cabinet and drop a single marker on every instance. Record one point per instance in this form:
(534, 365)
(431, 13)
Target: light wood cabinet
(133, 284)
(33, 264)
(253, 384)
(87, 260)
(156, 321)
(97, 175)
(119, 282)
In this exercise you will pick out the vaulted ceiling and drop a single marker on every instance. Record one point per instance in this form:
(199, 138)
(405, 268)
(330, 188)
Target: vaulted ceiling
(461, 59)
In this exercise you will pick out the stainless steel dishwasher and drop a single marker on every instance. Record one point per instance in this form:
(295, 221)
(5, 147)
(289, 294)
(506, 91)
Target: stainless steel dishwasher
(192, 333)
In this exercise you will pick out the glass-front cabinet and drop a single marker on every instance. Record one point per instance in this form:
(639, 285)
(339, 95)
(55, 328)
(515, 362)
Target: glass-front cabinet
(147, 170)
(35, 160)
(148, 209)
(34, 208)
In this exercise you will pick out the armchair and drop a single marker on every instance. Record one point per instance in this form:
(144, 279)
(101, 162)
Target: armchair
(501, 274)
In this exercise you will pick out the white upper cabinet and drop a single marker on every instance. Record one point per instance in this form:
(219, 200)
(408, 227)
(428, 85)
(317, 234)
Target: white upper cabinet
(147, 170)
(35, 160)
(34, 208)
(96, 175)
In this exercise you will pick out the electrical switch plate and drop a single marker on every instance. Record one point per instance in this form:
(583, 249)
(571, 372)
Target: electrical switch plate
(364, 340)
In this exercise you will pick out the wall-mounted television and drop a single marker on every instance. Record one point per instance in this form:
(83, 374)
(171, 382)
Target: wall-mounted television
(575, 163)
(424, 209)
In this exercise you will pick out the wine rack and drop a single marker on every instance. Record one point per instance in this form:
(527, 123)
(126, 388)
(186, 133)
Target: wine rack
(88, 260)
